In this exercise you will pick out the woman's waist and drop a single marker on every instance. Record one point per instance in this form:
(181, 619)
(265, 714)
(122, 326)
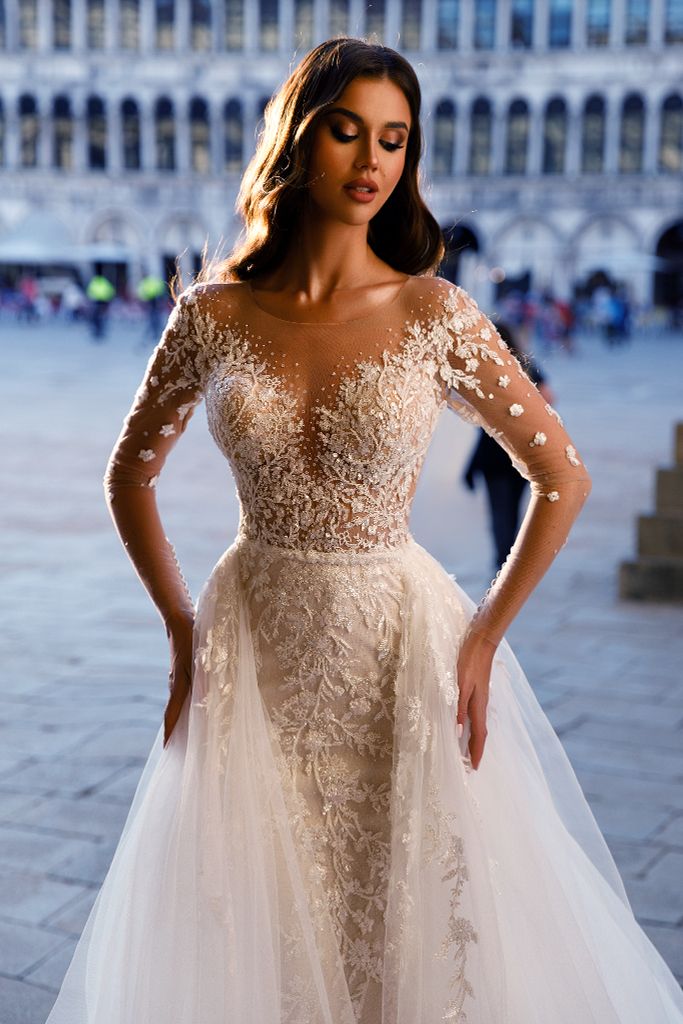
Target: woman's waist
(334, 550)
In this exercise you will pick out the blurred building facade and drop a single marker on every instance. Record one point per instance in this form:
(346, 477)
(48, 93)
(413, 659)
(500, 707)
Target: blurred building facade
(554, 129)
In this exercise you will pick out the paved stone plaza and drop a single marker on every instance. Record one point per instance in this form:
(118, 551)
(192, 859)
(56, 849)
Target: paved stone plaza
(84, 652)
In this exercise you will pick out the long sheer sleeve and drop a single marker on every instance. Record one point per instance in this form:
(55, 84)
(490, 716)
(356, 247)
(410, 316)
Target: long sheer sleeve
(486, 385)
(162, 406)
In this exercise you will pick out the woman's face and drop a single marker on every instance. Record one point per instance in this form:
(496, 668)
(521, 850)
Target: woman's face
(362, 138)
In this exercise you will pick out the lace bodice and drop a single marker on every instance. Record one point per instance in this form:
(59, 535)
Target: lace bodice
(326, 426)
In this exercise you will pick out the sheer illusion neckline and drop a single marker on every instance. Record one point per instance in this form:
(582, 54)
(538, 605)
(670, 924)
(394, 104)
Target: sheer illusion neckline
(328, 323)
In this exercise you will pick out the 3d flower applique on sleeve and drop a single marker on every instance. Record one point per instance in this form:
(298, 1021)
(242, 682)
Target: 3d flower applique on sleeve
(163, 404)
(486, 385)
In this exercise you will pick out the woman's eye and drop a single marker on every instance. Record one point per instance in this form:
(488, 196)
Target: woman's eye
(391, 146)
(339, 134)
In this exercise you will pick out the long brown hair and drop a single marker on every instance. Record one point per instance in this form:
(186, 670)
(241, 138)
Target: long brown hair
(273, 192)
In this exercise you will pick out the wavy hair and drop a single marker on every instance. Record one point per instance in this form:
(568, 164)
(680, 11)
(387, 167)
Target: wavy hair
(273, 193)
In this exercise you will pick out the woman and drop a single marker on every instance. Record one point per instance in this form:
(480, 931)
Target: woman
(311, 842)
(504, 484)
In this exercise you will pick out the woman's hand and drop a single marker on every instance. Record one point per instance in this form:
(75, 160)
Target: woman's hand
(180, 676)
(473, 675)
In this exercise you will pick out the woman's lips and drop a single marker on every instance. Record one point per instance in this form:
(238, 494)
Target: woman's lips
(359, 195)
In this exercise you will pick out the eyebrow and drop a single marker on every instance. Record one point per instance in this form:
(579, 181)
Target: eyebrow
(359, 120)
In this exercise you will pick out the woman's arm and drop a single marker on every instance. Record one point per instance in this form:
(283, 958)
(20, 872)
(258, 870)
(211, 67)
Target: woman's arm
(162, 407)
(487, 385)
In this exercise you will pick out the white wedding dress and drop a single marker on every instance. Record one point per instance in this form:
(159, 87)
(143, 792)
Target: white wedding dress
(313, 845)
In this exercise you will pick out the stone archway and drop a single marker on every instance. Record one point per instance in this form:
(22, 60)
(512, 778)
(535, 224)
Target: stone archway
(667, 288)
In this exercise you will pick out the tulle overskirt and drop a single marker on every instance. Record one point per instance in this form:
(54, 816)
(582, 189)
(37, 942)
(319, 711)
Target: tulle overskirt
(500, 902)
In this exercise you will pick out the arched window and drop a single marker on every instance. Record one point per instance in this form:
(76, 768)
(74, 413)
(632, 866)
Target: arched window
(375, 15)
(95, 25)
(28, 24)
(444, 138)
(481, 123)
(268, 24)
(61, 24)
(637, 18)
(673, 23)
(339, 17)
(554, 136)
(130, 135)
(164, 24)
(303, 24)
(522, 24)
(233, 15)
(200, 25)
(560, 24)
(484, 37)
(517, 138)
(96, 133)
(233, 134)
(28, 131)
(129, 24)
(447, 22)
(200, 136)
(410, 24)
(164, 124)
(597, 22)
(3, 33)
(62, 133)
(593, 136)
(632, 135)
(671, 135)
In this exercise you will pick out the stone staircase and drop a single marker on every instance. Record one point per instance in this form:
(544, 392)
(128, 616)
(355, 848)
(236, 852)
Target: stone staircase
(657, 575)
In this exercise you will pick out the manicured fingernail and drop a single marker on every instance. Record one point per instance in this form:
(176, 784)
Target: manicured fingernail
(460, 730)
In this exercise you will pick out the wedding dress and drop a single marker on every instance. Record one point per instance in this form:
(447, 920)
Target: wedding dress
(313, 845)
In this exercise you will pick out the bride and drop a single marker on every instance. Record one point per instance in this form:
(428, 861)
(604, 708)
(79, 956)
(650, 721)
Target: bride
(355, 811)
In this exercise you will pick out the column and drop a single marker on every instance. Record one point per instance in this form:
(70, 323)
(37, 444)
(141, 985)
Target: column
(45, 129)
(147, 26)
(579, 25)
(392, 25)
(321, 21)
(356, 18)
(617, 24)
(462, 136)
(573, 151)
(251, 26)
(503, 25)
(218, 27)
(114, 139)
(216, 132)
(286, 27)
(466, 28)
(535, 152)
(498, 137)
(78, 25)
(181, 114)
(111, 25)
(541, 27)
(182, 34)
(651, 139)
(80, 147)
(12, 24)
(44, 26)
(657, 23)
(613, 132)
(12, 130)
(428, 26)
(147, 135)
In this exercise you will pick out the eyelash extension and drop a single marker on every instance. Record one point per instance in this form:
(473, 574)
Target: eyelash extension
(342, 137)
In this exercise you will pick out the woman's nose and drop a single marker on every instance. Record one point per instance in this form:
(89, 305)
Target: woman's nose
(368, 157)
